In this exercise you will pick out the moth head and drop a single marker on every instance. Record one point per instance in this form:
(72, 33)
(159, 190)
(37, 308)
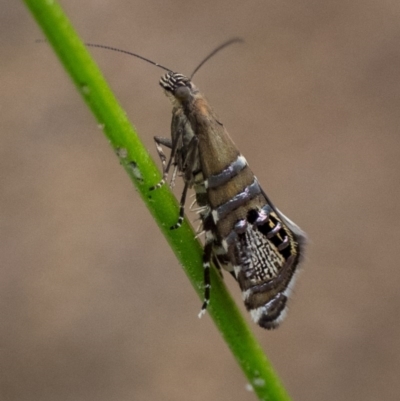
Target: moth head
(177, 86)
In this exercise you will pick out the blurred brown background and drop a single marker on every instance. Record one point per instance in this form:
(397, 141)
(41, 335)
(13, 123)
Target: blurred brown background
(93, 304)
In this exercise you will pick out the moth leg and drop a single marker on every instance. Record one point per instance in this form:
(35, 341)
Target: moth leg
(207, 256)
(172, 183)
(188, 172)
(168, 143)
(190, 161)
(181, 207)
(217, 264)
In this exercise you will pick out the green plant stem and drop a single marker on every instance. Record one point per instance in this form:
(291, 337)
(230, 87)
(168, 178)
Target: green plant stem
(161, 203)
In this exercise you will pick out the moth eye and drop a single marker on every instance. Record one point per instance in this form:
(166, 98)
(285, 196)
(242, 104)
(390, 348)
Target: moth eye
(182, 92)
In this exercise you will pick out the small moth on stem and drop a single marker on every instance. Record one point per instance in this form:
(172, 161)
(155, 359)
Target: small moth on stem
(245, 233)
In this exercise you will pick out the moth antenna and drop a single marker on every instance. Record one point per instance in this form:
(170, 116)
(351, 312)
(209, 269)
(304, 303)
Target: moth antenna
(215, 51)
(115, 49)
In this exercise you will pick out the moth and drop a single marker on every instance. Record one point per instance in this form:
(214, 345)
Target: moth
(245, 234)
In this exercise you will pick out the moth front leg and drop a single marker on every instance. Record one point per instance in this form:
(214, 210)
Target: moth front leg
(167, 142)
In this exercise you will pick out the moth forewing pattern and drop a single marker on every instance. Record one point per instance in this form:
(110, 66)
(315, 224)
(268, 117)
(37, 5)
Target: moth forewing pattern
(244, 232)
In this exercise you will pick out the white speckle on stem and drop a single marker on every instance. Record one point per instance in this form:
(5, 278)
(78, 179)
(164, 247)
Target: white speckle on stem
(121, 152)
(258, 382)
